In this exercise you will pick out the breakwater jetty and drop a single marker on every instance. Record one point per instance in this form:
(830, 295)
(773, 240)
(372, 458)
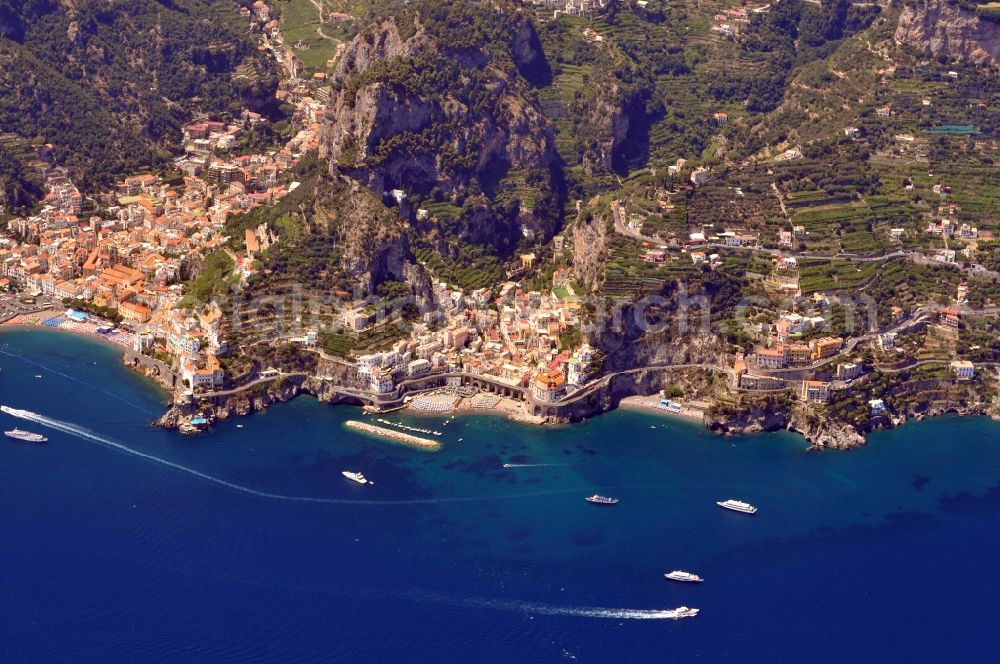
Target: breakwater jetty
(406, 427)
(394, 435)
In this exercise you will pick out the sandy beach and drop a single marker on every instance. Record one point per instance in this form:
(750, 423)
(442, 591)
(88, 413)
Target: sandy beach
(34, 318)
(120, 341)
(503, 406)
(651, 404)
(483, 403)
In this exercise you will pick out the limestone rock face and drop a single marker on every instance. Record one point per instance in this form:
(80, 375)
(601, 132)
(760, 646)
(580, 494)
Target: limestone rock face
(476, 136)
(371, 239)
(943, 28)
(609, 120)
(827, 434)
(590, 239)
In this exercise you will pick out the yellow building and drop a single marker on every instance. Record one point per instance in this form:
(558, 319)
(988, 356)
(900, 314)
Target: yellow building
(797, 353)
(825, 347)
(134, 313)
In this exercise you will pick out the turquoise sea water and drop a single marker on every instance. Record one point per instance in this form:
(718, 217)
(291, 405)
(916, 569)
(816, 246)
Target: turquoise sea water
(120, 542)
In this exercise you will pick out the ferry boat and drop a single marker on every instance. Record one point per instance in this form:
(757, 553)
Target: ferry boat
(688, 577)
(26, 436)
(601, 500)
(685, 612)
(356, 477)
(737, 506)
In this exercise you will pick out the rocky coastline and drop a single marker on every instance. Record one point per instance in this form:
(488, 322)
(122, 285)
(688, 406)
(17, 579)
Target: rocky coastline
(819, 433)
(825, 433)
(822, 433)
(250, 401)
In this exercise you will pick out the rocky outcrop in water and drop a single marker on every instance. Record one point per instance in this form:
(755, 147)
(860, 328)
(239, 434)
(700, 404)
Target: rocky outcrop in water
(776, 414)
(252, 400)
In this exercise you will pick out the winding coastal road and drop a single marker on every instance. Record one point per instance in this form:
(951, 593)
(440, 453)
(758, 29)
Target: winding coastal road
(605, 379)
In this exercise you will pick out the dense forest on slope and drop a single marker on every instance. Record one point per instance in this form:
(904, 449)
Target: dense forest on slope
(110, 83)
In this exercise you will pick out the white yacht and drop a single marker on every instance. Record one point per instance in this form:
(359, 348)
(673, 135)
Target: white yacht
(685, 612)
(356, 477)
(737, 506)
(26, 436)
(678, 575)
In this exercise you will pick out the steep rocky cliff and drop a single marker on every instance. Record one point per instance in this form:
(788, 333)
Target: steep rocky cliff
(590, 241)
(370, 240)
(662, 325)
(334, 236)
(609, 116)
(776, 413)
(943, 28)
(450, 120)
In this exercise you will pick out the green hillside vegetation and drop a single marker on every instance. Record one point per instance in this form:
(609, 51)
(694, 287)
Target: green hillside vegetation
(142, 67)
(665, 60)
(313, 38)
(19, 186)
(214, 279)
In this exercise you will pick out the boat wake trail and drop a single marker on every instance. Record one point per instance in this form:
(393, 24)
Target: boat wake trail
(536, 465)
(550, 610)
(86, 434)
(580, 612)
(77, 380)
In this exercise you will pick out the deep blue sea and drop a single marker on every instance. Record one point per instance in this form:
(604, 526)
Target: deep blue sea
(124, 543)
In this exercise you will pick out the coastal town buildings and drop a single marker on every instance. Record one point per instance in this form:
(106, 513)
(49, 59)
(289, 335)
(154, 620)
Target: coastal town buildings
(548, 386)
(128, 256)
(511, 337)
(795, 354)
